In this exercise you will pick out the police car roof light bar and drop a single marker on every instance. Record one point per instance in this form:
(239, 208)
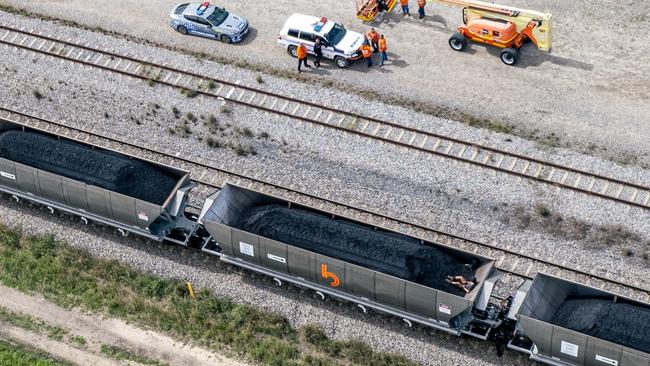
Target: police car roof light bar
(202, 8)
(318, 26)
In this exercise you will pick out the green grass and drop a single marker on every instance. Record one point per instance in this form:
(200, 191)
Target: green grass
(27, 322)
(125, 355)
(72, 278)
(20, 356)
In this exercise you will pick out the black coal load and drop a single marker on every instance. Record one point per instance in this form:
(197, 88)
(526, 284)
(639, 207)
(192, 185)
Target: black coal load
(100, 168)
(620, 323)
(390, 253)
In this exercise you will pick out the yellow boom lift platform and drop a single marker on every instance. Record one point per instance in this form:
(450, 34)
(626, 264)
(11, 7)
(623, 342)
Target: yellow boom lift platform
(367, 10)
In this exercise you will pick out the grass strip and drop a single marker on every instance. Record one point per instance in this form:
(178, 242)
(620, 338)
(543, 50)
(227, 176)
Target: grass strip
(27, 322)
(72, 278)
(15, 355)
(121, 354)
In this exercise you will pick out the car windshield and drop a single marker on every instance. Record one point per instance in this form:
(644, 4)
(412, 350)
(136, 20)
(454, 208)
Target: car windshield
(218, 16)
(336, 34)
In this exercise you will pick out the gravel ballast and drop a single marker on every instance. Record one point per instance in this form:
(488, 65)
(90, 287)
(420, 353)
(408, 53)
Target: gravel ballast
(101, 168)
(390, 253)
(620, 323)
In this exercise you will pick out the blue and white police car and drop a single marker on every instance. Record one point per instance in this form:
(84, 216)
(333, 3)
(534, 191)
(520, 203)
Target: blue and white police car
(206, 20)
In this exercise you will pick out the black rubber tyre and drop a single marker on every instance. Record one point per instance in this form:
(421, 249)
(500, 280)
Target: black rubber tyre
(225, 39)
(458, 42)
(341, 62)
(182, 30)
(293, 51)
(509, 56)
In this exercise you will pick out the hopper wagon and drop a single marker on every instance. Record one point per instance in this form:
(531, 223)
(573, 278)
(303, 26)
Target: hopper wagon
(555, 321)
(97, 184)
(561, 323)
(346, 259)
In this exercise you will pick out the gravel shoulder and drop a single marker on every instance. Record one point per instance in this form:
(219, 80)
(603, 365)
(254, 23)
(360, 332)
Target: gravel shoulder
(591, 93)
(98, 331)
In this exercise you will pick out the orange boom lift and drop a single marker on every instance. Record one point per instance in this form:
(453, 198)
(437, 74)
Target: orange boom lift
(501, 26)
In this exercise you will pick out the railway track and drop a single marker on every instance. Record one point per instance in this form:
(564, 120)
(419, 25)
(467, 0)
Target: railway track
(511, 262)
(429, 143)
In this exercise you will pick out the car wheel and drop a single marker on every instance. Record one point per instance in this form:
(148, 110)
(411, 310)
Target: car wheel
(293, 51)
(225, 38)
(509, 56)
(458, 42)
(182, 30)
(341, 62)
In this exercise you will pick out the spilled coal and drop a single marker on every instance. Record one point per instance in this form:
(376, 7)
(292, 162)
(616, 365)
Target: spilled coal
(390, 253)
(620, 323)
(100, 168)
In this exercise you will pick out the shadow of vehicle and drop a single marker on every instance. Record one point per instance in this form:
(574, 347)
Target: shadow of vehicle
(250, 37)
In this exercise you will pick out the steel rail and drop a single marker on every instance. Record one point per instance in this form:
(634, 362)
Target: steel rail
(562, 177)
(508, 260)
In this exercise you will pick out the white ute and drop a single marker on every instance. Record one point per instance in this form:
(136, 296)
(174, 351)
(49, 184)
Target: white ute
(339, 44)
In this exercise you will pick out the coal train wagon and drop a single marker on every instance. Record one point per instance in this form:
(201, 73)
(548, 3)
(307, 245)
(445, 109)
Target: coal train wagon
(561, 323)
(97, 184)
(336, 256)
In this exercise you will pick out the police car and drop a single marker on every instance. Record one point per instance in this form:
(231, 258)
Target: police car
(203, 19)
(339, 44)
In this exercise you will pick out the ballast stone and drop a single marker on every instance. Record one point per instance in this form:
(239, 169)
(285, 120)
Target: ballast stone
(101, 168)
(390, 253)
(620, 323)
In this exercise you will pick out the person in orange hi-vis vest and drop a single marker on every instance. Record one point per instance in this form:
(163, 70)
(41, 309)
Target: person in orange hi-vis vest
(301, 52)
(405, 7)
(421, 5)
(366, 51)
(383, 47)
(373, 36)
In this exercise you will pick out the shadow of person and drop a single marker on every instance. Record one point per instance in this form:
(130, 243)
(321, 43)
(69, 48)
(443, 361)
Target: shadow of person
(395, 60)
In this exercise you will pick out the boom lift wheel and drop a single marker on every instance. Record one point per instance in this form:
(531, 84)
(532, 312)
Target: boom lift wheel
(509, 56)
(458, 42)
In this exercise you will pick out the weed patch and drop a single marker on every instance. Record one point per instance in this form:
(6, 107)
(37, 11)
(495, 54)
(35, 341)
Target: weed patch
(15, 355)
(125, 355)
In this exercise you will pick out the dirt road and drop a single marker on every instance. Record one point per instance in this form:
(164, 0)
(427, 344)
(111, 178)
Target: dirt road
(98, 331)
(594, 88)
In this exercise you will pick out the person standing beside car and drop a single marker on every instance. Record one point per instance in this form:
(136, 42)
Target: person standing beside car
(318, 51)
(373, 37)
(366, 51)
(383, 47)
(301, 52)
